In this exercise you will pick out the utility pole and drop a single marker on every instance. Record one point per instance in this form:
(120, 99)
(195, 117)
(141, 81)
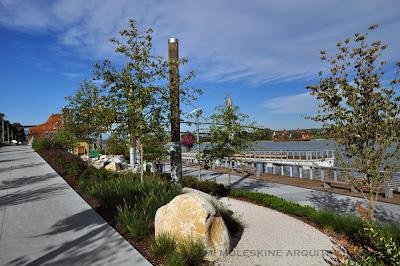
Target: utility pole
(2, 128)
(176, 151)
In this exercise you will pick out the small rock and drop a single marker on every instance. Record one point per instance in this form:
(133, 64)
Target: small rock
(99, 163)
(116, 160)
(113, 166)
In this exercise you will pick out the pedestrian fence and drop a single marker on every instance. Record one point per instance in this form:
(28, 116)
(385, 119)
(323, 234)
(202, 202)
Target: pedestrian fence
(292, 168)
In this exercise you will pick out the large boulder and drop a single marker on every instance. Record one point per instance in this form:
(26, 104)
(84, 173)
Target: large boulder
(193, 216)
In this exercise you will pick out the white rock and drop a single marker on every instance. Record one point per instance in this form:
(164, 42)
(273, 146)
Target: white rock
(113, 167)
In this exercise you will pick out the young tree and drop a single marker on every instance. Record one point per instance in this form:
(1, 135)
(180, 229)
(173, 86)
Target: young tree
(226, 133)
(136, 93)
(89, 113)
(360, 112)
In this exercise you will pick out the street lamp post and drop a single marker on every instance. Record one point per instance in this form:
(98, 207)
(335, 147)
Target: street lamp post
(198, 113)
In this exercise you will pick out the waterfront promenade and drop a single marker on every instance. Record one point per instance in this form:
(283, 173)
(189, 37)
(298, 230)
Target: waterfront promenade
(43, 221)
(341, 204)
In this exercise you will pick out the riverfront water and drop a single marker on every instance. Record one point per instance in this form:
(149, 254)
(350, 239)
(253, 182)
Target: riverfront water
(312, 145)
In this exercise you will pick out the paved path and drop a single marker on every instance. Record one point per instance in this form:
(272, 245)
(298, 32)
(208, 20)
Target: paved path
(43, 221)
(340, 204)
(273, 238)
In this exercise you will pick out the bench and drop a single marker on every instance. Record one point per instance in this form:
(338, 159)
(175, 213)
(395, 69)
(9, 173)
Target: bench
(390, 186)
(248, 169)
(328, 183)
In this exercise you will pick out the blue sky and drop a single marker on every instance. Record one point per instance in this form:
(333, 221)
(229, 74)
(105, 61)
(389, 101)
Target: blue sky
(261, 53)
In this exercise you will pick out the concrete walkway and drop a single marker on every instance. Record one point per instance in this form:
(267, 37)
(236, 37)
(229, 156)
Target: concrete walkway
(340, 204)
(43, 221)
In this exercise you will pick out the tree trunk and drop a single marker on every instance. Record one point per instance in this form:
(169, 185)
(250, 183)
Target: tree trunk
(132, 157)
(229, 174)
(141, 161)
(371, 206)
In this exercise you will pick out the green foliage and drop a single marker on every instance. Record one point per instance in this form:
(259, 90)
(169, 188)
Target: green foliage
(136, 95)
(154, 150)
(89, 111)
(206, 186)
(226, 135)
(163, 245)
(137, 202)
(42, 144)
(117, 145)
(360, 112)
(260, 134)
(193, 251)
(138, 224)
(189, 252)
(380, 249)
(176, 259)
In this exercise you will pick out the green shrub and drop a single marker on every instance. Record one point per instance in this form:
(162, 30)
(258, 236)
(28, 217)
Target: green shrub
(163, 245)
(188, 253)
(137, 202)
(137, 224)
(193, 251)
(176, 259)
(47, 143)
(206, 186)
(378, 248)
(40, 145)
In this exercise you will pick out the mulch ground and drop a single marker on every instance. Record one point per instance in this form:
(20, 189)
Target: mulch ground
(304, 183)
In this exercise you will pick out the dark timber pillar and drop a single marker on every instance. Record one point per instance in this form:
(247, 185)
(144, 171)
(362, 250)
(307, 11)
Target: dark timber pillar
(176, 152)
(2, 128)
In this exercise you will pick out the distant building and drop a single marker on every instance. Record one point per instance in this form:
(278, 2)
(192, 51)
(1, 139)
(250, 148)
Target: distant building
(51, 126)
(295, 135)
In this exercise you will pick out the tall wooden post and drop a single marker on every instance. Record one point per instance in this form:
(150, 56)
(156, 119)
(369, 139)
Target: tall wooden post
(2, 128)
(176, 151)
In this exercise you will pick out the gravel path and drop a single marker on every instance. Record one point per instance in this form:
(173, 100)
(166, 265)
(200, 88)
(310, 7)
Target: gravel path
(273, 238)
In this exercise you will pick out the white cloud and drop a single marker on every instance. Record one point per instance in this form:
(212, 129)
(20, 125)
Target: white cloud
(303, 104)
(257, 41)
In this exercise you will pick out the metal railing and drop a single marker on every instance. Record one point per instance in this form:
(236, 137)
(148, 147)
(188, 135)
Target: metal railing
(288, 166)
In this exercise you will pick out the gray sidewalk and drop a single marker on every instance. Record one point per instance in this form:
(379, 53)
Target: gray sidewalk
(340, 204)
(43, 221)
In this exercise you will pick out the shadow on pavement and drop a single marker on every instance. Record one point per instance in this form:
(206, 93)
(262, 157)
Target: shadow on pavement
(21, 166)
(13, 160)
(97, 246)
(26, 180)
(76, 222)
(330, 202)
(30, 195)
